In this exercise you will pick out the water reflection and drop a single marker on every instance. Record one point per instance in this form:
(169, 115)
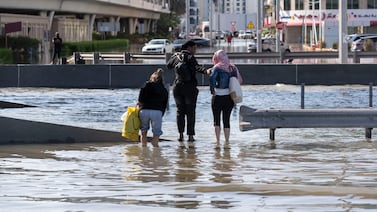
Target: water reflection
(223, 166)
(186, 165)
(148, 164)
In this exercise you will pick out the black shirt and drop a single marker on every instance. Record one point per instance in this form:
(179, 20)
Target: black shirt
(154, 96)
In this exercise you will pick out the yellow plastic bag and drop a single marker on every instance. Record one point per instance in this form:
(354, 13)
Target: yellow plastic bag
(131, 124)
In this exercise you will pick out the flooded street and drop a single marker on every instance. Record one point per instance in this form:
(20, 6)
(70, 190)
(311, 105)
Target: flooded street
(303, 170)
(240, 46)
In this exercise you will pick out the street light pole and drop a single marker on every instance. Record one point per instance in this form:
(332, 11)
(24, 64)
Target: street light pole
(259, 27)
(210, 22)
(277, 15)
(343, 45)
(187, 18)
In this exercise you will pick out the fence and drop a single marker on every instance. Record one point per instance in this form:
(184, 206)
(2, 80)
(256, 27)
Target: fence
(127, 57)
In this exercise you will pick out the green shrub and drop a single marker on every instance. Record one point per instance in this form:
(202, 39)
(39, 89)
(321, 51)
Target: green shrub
(368, 45)
(6, 56)
(335, 45)
(95, 46)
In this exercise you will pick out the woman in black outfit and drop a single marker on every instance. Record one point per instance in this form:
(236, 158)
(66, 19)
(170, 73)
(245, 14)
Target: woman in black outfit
(185, 89)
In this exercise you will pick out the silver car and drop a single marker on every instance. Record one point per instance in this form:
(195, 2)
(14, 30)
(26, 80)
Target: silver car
(358, 45)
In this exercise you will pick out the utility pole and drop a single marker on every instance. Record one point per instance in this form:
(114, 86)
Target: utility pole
(343, 45)
(259, 25)
(187, 18)
(210, 22)
(277, 15)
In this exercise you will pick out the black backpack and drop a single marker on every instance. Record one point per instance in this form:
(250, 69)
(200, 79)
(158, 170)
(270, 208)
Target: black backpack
(183, 72)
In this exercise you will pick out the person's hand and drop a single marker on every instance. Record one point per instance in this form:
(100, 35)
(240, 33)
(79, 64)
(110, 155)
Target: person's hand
(209, 71)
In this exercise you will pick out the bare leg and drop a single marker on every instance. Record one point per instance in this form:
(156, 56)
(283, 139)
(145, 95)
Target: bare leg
(155, 140)
(226, 135)
(217, 135)
(144, 139)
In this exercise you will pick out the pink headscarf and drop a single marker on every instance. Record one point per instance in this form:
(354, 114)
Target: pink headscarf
(220, 60)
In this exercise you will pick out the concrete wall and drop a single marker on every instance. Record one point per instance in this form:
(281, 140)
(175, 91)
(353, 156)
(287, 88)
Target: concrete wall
(134, 75)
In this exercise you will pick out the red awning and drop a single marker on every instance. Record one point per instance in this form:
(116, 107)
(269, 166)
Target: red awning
(296, 23)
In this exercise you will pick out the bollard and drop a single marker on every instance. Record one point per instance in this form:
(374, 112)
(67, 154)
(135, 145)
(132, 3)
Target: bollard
(64, 60)
(302, 95)
(96, 57)
(127, 57)
(281, 56)
(356, 58)
(77, 57)
(371, 94)
(272, 134)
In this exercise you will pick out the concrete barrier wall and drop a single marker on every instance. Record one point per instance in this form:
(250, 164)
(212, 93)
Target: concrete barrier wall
(134, 75)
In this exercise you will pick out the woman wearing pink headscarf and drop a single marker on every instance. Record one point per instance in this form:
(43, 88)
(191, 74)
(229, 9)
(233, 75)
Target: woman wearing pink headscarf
(221, 103)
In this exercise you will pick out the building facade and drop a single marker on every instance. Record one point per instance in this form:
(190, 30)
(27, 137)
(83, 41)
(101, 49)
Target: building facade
(315, 21)
(227, 15)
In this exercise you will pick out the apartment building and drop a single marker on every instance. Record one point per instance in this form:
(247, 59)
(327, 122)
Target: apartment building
(313, 21)
(227, 15)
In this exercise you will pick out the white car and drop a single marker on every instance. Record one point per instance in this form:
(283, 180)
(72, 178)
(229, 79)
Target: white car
(157, 46)
(268, 45)
(245, 34)
(358, 45)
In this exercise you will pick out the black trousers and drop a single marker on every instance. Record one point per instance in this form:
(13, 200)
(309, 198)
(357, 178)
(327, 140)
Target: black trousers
(222, 105)
(185, 96)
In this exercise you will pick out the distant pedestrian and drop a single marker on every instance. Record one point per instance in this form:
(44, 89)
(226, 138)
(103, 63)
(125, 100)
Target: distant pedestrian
(153, 101)
(229, 39)
(58, 43)
(222, 104)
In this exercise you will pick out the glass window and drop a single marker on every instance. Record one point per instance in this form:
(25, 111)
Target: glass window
(315, 3)
(332, 4)
(372, 4)
(299, 4)
(287, 5)
(352, 4)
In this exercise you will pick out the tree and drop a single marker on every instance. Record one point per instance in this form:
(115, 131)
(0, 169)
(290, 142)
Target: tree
(165, 22)
(178, 6)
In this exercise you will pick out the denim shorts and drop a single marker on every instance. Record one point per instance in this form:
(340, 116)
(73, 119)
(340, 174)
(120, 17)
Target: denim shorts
(151, 118)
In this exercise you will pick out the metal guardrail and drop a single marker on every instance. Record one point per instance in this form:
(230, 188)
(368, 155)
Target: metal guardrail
(127, 57)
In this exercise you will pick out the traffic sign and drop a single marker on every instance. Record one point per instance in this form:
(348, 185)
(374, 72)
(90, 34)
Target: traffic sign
(279, 25)
(250, 25)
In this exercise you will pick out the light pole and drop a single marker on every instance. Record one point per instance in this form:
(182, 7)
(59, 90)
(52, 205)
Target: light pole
(277, 15)
(210, 22)
(342, 44)
(187, 18)
(259, 25)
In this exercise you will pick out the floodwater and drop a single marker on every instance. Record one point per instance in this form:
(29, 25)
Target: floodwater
(240, 45)
(303, 170)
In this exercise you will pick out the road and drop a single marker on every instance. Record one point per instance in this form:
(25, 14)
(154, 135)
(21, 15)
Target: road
(240, 45)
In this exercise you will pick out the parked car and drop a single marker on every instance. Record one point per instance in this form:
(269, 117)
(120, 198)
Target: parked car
(354, 37)
(245, 34)
(201, 42)
(268, 45)
(177, 44)
(220, 35)
(358, 45)
(157, 46)
(241, 34)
